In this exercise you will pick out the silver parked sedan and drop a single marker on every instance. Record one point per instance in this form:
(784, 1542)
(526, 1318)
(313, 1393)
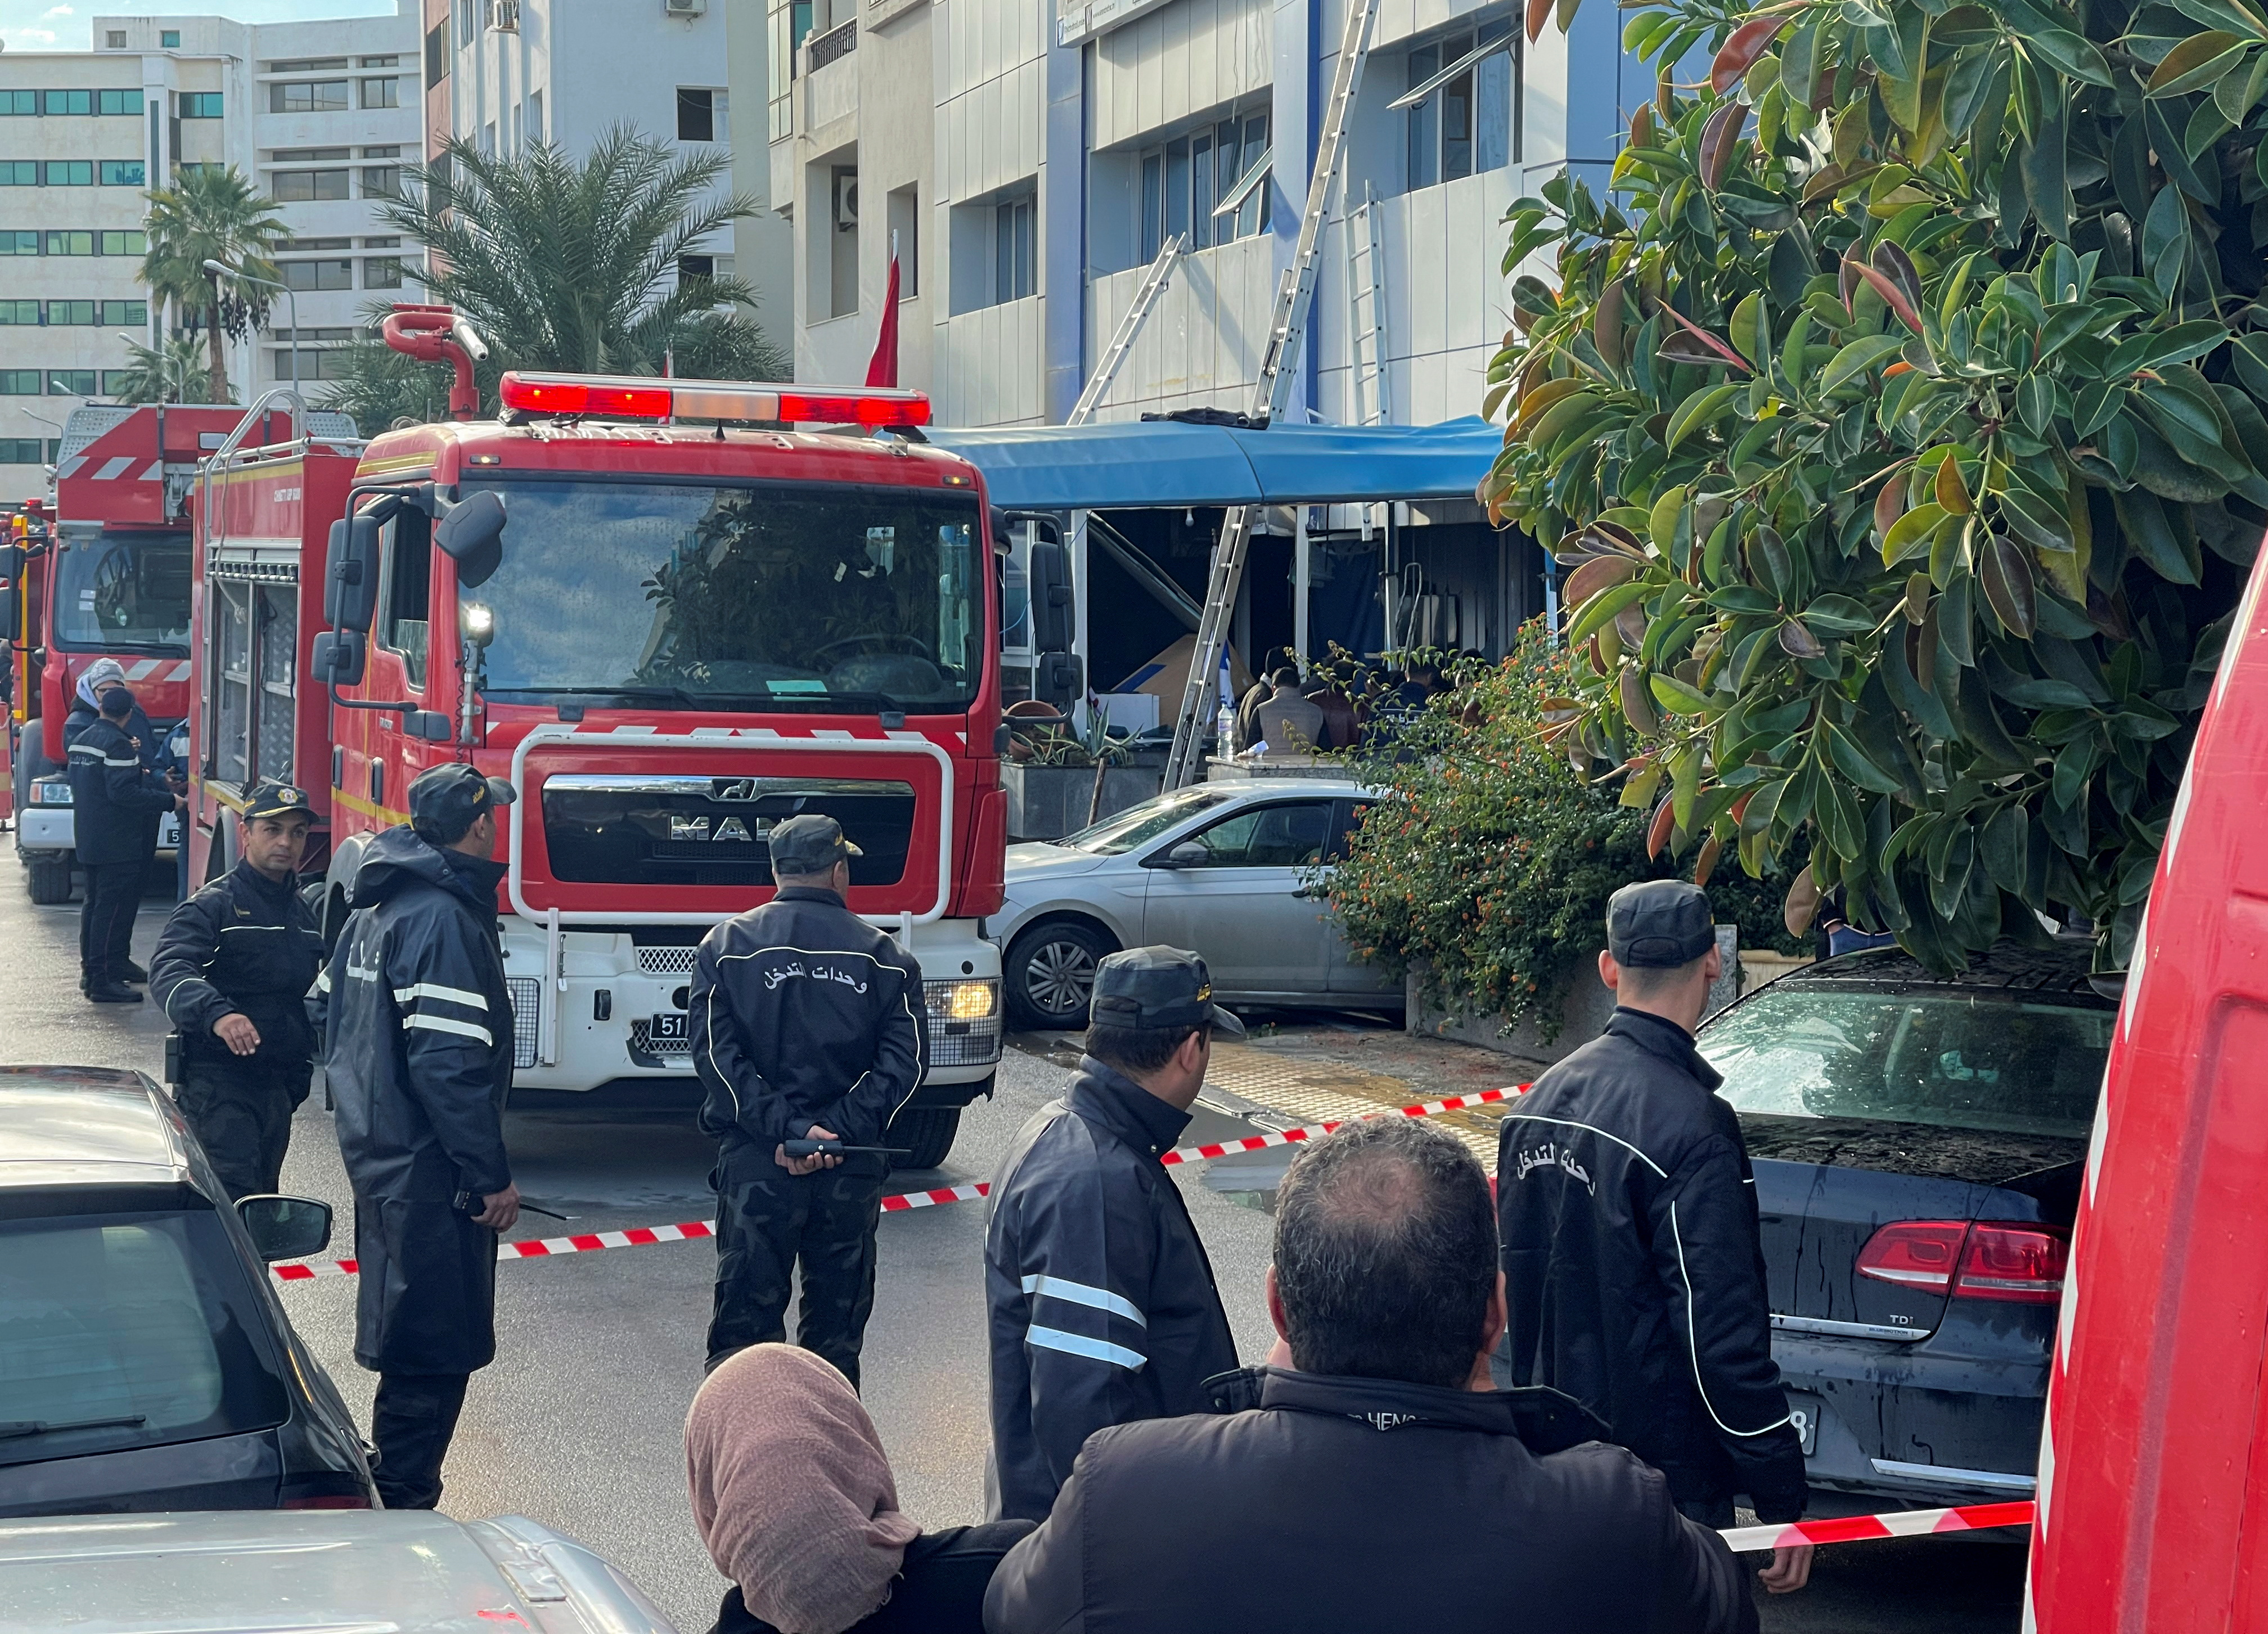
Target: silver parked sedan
(1222, 868)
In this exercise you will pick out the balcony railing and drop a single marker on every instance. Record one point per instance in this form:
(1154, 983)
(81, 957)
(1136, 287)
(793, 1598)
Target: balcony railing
(833, 46)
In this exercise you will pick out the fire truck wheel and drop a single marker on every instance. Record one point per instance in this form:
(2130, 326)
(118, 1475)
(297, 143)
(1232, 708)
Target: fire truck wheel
(926, 1133)
(48, 879)
(1050, 973)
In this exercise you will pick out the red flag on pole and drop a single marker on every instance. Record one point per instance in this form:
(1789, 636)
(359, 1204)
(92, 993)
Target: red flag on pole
(882, 368)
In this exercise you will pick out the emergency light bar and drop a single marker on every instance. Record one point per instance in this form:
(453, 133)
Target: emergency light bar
(640, 397)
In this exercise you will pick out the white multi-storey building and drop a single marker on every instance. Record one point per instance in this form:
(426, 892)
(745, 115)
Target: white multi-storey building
(321, 114)
(506, 73)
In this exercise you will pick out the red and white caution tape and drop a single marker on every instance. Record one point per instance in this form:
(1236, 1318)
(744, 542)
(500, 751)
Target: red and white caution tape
(1862, 1528)
(639, 1236)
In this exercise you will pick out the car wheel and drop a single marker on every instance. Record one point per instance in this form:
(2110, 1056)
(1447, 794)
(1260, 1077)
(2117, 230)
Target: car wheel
(926, 1133)
(1052, 973)
(48, 879)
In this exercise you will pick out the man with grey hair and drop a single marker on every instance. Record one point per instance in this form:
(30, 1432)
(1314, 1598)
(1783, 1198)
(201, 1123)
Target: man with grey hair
(1450, 1507)
(1631, 1239)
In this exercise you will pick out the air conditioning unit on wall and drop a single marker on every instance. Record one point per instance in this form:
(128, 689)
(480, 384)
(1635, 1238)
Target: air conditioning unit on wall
(685, 8)
(846, 201)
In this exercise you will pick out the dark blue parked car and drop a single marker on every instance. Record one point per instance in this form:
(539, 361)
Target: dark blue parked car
(1918, 1145)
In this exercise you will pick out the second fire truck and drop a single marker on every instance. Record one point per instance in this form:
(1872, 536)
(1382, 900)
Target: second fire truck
(670, 627)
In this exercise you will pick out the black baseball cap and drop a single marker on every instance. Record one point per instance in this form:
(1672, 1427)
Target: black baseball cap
(450, 799)
(1658, 924)
(811, 844)
(278, 799)
(1158, 987)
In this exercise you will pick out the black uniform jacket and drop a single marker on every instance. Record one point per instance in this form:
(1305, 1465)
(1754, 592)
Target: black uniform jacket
(1633, 1269)
(1367, 1505)
(247, 945)
(803, 1013)
(1099, 1295)
(137, 727)
(418, 1063)
(115, 802)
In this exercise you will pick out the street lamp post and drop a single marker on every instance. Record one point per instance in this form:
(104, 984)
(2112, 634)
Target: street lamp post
(242, 276)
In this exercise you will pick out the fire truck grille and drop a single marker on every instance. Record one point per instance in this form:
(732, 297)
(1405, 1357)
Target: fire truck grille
(958, 1043)
(666, 960)
(526, 1006)
(679, 830)
(642, 1042)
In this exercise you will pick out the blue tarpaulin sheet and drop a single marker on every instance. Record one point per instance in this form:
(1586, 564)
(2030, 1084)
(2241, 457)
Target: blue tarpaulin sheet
(1126, 465)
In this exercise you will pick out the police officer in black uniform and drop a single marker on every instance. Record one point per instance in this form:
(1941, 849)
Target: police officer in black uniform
(1634, 1271)
(116, 805)
(1098, 1294)
(232, 970)
(808, 1023)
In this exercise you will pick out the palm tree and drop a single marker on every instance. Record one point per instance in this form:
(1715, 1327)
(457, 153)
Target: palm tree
(211, 214)
(163, 373)
(575, 266)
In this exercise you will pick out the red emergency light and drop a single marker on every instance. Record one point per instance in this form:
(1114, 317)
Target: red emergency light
(634, 397)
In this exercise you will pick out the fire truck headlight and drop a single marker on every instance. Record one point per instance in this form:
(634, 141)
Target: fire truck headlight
(969, 1001)
(479, 622)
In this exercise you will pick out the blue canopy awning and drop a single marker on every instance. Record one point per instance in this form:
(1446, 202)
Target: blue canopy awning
(1131, 464)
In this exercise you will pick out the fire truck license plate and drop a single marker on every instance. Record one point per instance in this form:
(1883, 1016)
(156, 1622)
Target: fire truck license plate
(669, 1029)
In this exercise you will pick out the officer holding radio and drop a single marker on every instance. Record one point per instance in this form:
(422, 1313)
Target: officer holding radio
(232, 970)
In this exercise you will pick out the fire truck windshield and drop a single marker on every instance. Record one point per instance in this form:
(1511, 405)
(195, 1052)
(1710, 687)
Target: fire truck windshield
(117, 592)
(806, 597)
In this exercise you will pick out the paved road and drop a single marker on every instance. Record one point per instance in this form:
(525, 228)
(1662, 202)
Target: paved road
(578, 1424)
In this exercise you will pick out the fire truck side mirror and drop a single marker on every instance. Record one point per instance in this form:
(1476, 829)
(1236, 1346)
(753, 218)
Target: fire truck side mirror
(1056, 679)
(472, 536)
(1051, 597)
(338, 656)
(350, 582)
(12, 575)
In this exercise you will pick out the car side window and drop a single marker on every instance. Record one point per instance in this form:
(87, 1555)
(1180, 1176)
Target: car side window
(403, 618)
(1266, 836)
(1350, 819)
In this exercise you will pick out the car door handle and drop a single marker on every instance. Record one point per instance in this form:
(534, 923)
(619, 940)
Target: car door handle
(1310, 892)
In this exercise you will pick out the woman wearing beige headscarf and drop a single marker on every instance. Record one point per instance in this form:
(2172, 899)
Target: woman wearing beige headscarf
(796, 1503)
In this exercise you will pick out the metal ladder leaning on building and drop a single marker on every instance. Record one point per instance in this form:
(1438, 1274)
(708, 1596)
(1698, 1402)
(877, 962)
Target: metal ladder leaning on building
(1286, 330)
(1138, 312)
(1366, 312)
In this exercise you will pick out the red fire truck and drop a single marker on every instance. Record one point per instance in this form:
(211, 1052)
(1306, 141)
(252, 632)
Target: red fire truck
(670, 628)
(109, 578)
(2153, 1469)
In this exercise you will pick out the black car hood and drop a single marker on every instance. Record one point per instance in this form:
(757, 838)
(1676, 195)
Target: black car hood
(1929, 1150)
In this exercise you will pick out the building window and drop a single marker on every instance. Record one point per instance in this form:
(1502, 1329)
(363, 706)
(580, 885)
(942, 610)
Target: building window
(309, 155)
(468, 21)
(1467, 119)
(201, 105)
(130, 243)
(113, 40)
(17, 103)
(437, 55)
(71, 315)
(19, 451)
(118, 102)
(692, 267)
(19, 382)
(301, 247)
(307, 65)
(113, 381)
(382, 272)
(309, 96)
(392, 242)
(121, 173)
(297, 186)
(1185, 182)
(515, 128)
(20, 173)
(169, 39)
(696, 115)
(70, 382)
(64, 242)
(381, 93)
(377, 62)
(488, 140)
(117, 312)
(536, 117)
(67, 172)
(22, 313)
(67, 102)
(314, 365)
(904, 208)
(318, 275)
(19, 241)
(1014, 276)
(381, 181)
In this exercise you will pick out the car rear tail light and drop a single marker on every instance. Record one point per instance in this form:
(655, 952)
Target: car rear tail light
(1915, 1254)
(2021, 1263)
(343, 1500)
(1982, 1260)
